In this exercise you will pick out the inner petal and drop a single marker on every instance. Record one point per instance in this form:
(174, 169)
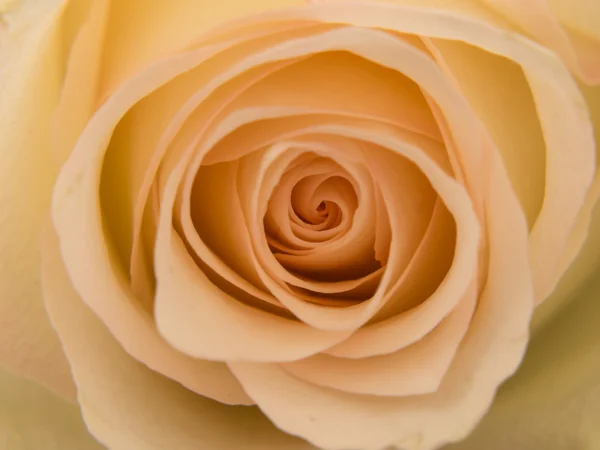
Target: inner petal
(323, 196)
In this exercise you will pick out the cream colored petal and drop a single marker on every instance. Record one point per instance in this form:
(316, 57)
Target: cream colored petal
(144, 31)
(31, 66)
(78, 97)
(32, 418)
(580, 15)
(128, 406)
(553, 401)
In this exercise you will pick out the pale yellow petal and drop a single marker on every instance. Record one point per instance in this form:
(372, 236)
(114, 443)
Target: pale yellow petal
(562, 26)
(580, 15)
(84, 21)
(32, 418)
(144, 31)
(31, 66)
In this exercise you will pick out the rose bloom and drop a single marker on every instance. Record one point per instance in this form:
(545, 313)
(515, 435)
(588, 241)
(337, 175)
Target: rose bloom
(295, 225)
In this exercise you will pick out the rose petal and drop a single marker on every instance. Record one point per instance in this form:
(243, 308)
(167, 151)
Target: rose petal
(194, 316)
(413, 370)
(583, 248)
(500, 96)
(145, 31)
(103, 289)
(172, 107)
(86, 22)
(490, 352)
(420, 279)
(398, 46)
(580, 15)
(347, 317)
(553, 89)
(527, 144)
(31, 62)
(355, 248)
(203, 377)
(123, 401)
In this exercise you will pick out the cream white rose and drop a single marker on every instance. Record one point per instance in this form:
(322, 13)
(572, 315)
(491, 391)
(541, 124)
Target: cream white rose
(343, 213)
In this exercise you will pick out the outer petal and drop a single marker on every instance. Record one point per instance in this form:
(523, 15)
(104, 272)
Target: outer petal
(588, 259)
(30, 70)
(553, 402)
(143, 31)
(128, 406)
(570, 28)
(32, 418)
(78, 98)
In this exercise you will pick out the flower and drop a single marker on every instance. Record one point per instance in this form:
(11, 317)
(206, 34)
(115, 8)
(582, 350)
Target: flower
(343, 213)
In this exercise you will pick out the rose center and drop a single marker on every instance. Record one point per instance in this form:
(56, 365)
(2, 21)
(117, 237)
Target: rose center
(310, 219)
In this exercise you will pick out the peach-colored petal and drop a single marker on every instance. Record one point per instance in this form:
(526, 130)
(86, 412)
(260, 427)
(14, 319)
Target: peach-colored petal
(420, 279)
(413, 370)
(195, 319)
(31, 62)
(173, 107)
(490, 352)
(342, 318)
(127, 405)
(201, 320)
(355, 247)
(104, 289)
(206, 378)
(398, 45)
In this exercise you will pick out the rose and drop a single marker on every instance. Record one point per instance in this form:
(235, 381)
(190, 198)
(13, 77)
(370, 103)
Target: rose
(128, 81)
